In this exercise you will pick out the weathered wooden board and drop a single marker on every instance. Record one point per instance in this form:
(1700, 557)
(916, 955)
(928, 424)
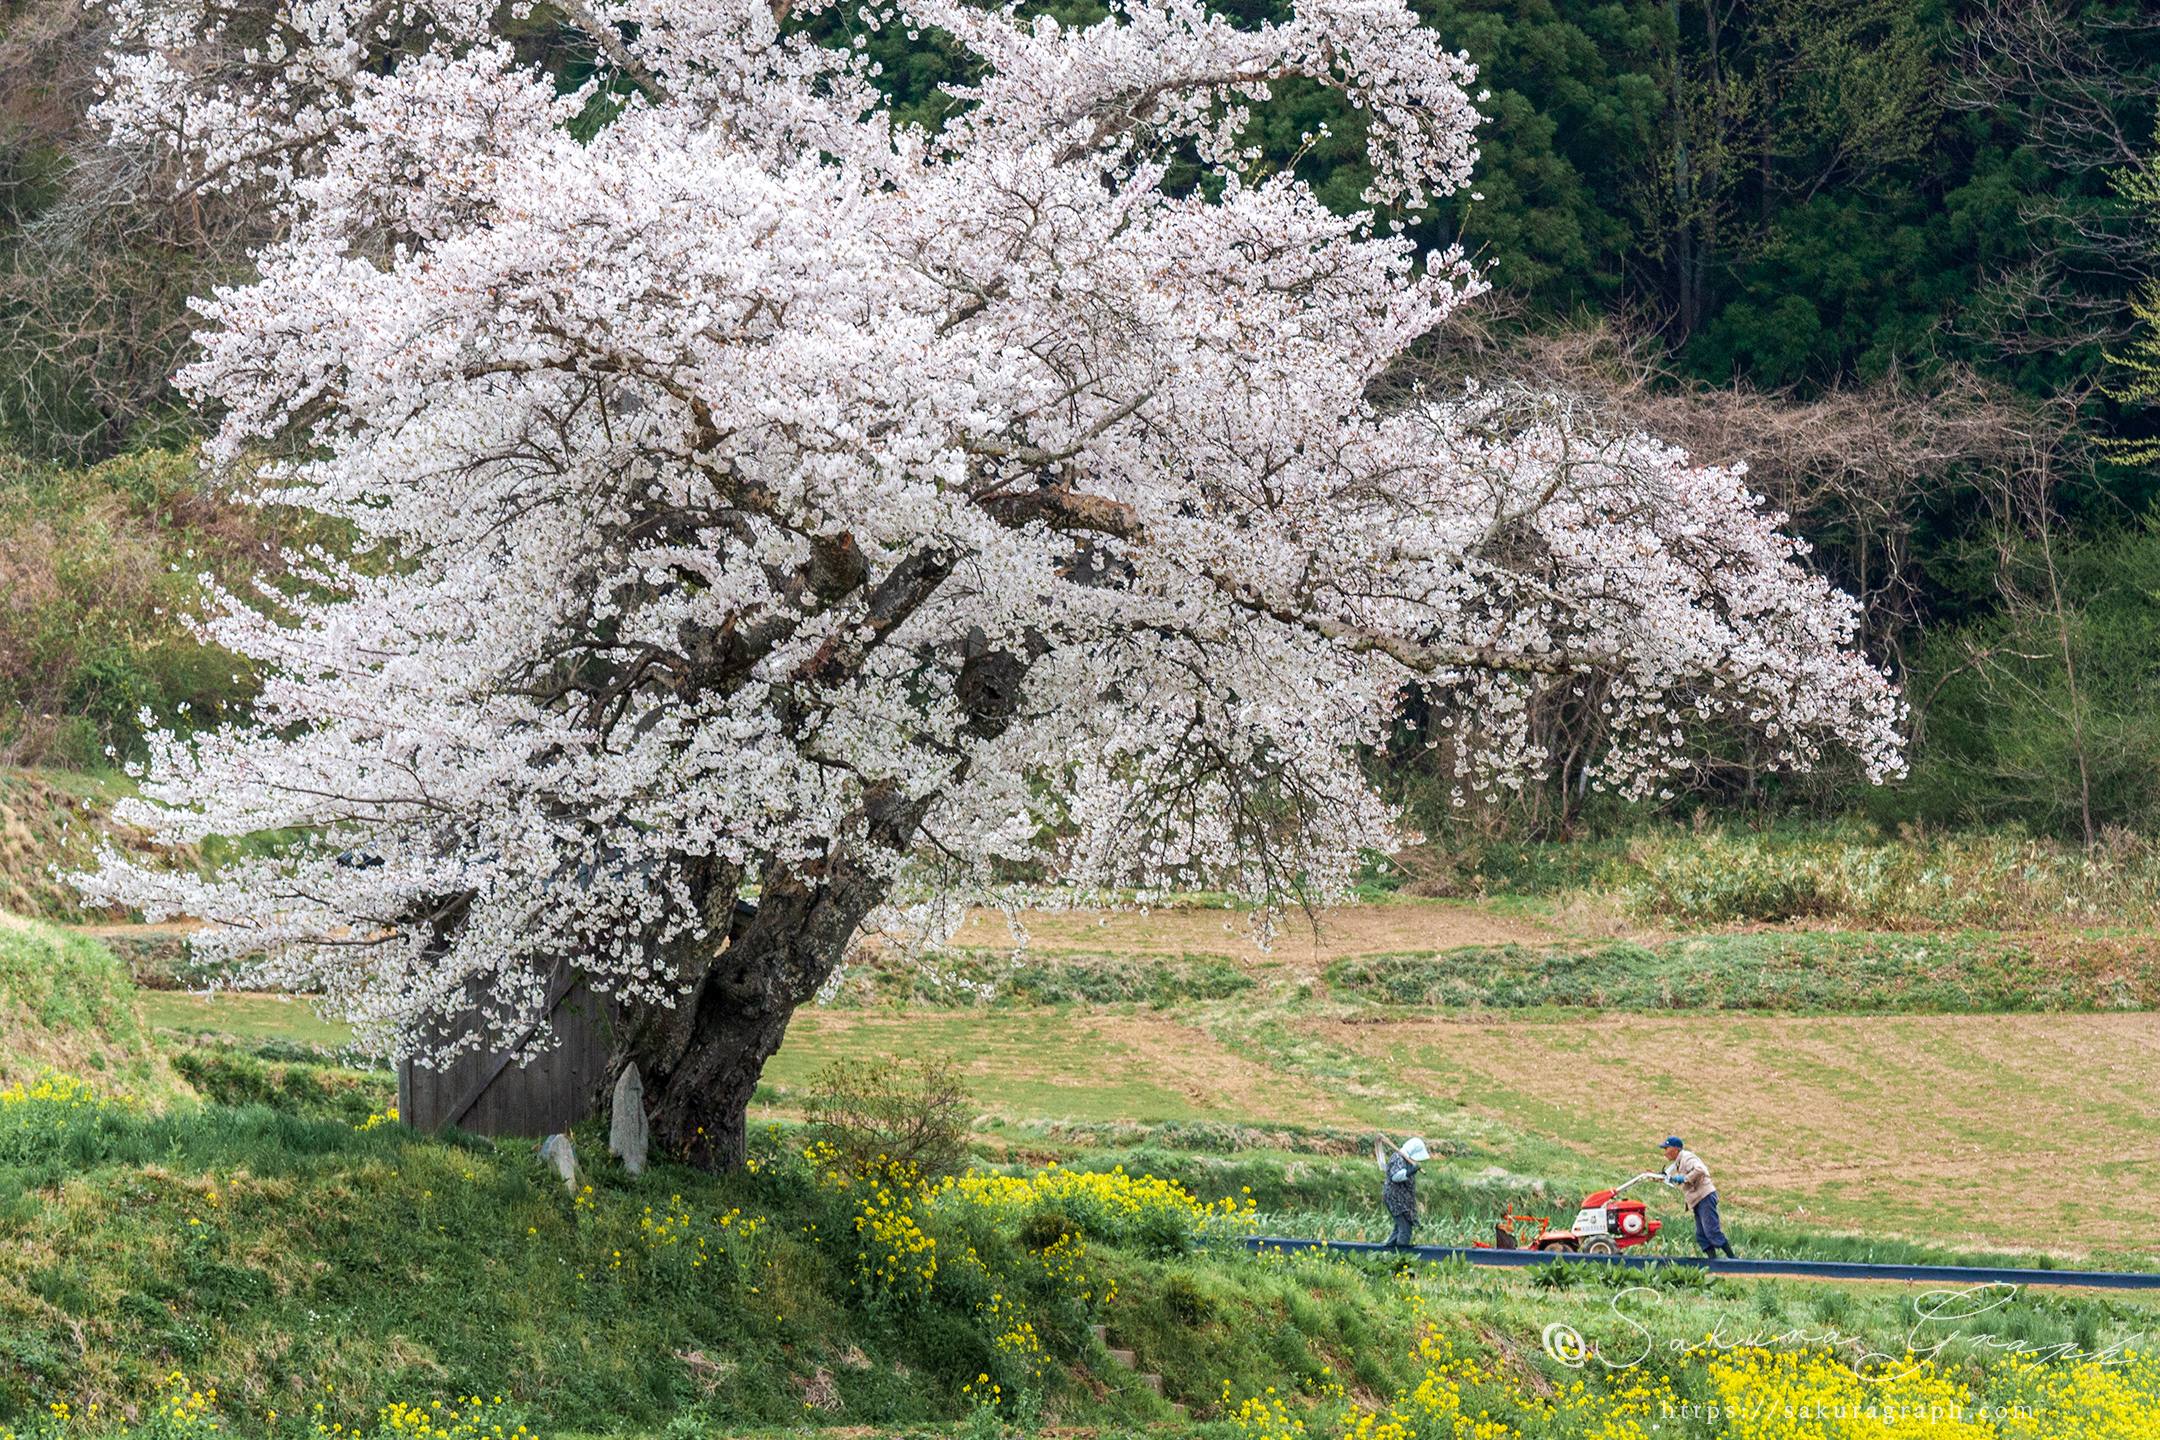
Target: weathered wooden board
(486, 1095)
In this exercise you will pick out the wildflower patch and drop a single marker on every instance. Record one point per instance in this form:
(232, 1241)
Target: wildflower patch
(1114, 1206)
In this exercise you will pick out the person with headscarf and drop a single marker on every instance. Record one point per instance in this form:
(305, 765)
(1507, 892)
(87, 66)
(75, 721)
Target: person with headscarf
(1398, 1184)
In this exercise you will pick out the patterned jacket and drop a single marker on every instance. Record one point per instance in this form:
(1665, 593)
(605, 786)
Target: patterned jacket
(1398, 1191)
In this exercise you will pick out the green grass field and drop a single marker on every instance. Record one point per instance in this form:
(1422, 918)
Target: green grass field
(242, 1015)
(1065, 1064)
(1867, 1105)
(2007, 1131)
(260, 1228)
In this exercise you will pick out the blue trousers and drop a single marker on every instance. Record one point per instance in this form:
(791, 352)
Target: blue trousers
(1708, 1233)
(1401, 1237)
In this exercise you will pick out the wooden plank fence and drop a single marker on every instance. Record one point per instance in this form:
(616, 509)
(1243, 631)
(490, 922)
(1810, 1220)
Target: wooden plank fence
(485, 1093)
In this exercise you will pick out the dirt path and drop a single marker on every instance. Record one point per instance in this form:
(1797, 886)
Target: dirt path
(122, 932)
(1389, 927)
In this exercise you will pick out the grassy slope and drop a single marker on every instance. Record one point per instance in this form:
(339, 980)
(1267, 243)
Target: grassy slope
(285, 1255)
(66, 1005)
(281, 1257)
(54, 822)
(287, 1260)
(1839, 972)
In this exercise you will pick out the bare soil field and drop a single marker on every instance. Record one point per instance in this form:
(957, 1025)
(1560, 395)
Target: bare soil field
(1965, 1126)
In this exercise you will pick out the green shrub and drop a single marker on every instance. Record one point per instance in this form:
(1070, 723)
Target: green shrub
(1046, 1228)
(889, 1116)
(325, 1092)
(1186, 1302)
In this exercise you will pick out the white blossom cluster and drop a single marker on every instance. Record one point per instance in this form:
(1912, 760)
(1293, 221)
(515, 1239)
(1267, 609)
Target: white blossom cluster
(754, 461)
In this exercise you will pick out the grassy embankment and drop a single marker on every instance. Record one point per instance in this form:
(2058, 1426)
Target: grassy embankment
(285, 1255)
(1862, 1090)
(67, 1006)
(287, 1261)
(362, 1266)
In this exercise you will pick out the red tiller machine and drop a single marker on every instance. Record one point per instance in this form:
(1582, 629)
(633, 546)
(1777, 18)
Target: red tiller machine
(1605, 1225)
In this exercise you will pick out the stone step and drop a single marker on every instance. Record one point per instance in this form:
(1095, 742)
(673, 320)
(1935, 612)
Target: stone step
(1127, 1359)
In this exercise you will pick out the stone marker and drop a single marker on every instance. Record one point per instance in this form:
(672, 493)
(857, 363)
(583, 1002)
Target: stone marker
(627, 1133)
(556, 1151)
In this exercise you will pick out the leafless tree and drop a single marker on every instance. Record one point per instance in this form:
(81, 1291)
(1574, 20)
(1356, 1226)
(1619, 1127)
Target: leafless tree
(2083, 107)
(97, 266)
(2072, 87)
(1852, 465)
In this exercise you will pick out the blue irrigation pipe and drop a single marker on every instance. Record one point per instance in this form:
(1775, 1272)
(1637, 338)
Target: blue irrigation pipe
(1821, 1269)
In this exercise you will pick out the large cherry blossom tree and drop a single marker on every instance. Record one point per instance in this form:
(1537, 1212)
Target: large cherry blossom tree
(755, 497)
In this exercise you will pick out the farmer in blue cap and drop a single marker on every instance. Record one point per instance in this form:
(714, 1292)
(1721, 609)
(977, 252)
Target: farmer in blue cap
(1686, 1170)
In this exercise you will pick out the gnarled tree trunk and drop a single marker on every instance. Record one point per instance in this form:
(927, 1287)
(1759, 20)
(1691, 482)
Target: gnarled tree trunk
(699, 1082)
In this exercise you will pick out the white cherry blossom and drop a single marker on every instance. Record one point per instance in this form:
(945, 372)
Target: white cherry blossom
(760, 498)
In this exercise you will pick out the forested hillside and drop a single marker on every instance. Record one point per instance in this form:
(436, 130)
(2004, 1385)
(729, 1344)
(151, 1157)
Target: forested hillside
(1889, 252)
